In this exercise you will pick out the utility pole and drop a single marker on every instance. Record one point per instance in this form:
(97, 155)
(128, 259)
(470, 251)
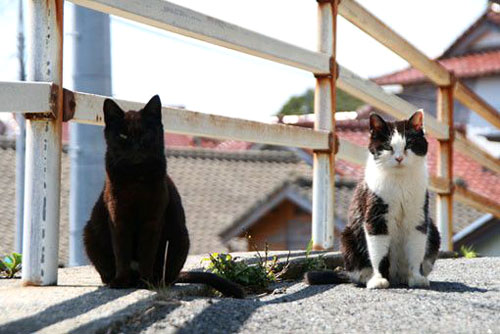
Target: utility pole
(20, 138)
(92, 74)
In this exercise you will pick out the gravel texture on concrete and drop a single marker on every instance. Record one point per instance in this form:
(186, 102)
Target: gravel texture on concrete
(464, 297)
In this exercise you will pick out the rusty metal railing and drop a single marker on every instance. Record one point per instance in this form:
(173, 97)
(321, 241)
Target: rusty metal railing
(46, 106)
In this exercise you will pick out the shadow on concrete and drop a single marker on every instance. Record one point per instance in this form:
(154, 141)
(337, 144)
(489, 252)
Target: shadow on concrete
(64, 310)
(223, 309)
(442, 286)
(146, 314)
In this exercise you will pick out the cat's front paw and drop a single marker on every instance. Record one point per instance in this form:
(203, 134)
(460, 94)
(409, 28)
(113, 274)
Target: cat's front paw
(377, 282)
(418, 281)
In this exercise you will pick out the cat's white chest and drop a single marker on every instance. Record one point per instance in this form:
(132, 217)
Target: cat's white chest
(404, 194)
(405, 202)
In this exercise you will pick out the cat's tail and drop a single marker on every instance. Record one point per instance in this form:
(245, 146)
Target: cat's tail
(227, 288)
(325, 277)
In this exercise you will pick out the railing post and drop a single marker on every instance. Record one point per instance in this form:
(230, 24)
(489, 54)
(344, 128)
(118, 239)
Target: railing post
(43, 147)
(444, 201)
(324, 110)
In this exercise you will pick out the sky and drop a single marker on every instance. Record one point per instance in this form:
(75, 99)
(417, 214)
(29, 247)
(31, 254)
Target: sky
(210, 79)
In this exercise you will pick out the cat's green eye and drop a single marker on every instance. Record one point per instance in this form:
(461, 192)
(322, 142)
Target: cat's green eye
(123, 136)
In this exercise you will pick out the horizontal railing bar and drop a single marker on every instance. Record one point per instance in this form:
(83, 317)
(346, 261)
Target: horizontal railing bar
(184, 21)
(374, 95)
(87, 108)
(468, 148)
(476, 201)
(25, 97)
(439, 185)
(366, 21)
(351, 152)
(363, 19)
(474, 102)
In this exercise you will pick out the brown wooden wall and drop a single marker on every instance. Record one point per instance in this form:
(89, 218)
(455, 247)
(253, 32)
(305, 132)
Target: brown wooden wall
(286, 227)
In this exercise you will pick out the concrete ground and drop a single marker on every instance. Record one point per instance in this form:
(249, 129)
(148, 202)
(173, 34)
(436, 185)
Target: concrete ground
(464, 297)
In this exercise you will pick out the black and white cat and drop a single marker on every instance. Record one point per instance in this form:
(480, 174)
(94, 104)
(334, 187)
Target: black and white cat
(390, 238)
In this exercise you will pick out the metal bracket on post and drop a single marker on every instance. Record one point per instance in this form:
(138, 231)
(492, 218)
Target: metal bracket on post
(334, 71)
(69, 105)
(444, 201)
(54, 91)
(333, 144)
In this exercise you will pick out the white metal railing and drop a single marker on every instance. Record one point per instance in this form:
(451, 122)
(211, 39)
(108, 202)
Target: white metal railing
(88, 109)
(45, 105)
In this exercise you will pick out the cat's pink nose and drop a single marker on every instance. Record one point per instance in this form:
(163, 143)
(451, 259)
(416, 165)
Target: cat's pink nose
(399, 159)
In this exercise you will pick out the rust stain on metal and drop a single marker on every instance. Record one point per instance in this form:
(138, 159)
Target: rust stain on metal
(53, 104)
(38, 116)
(54, 99)
(69, 105)
(333, 145)
(317, 247)
(31, 283)
(336, 68)
(336, 143)
(59, 6)
(321, 76)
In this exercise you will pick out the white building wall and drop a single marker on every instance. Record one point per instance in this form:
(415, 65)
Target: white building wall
(489, 89)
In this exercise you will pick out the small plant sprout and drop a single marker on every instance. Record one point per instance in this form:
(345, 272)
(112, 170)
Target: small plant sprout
(253, 277)
(468, 252)
(10, 265)
(313, 263)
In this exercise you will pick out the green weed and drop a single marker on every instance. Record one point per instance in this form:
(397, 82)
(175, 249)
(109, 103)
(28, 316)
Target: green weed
(313, 263)
(10, 265)
(253, 277)
(468, 252)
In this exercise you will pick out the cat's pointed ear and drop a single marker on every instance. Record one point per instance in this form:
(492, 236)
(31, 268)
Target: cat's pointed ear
(416, 121)
(377, 123)
(153, 108)
(112, 111)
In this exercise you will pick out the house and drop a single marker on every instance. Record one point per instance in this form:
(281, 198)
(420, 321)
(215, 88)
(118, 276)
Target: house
(474, 58)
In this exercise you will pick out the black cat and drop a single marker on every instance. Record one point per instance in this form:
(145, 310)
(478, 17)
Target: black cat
(137, 231)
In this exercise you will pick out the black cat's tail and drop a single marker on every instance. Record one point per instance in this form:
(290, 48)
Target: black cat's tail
(325, 277)
(227, 288)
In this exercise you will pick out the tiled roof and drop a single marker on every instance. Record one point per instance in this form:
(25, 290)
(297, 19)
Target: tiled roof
(468, 66)
(216, 187)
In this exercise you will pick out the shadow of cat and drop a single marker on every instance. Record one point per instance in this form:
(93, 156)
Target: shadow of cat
(439, 286)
